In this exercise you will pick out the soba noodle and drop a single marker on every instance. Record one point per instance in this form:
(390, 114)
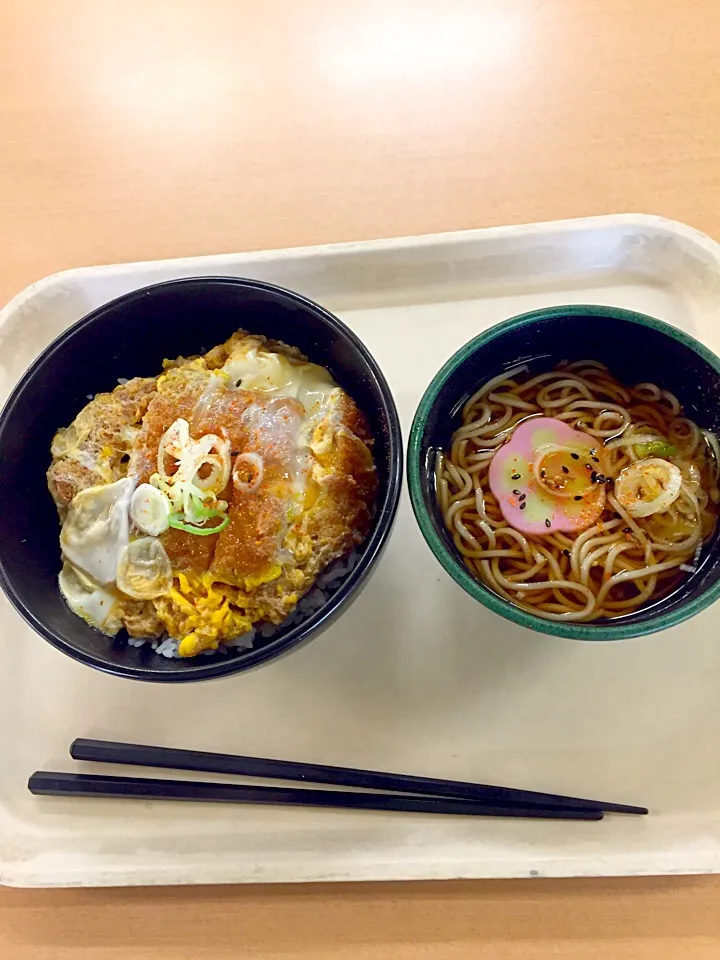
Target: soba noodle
(621, 562)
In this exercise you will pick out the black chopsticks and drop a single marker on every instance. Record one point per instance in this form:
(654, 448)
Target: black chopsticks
(91, 785)
(199, 761)
(426, 794)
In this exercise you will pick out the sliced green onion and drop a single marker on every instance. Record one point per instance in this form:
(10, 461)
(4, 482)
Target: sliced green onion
(658, 448)
(157, 481)
(176, 520)
(196, 511)
(202, 511)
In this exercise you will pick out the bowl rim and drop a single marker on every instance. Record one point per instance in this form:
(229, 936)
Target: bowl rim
(372, 546)
(597, 632)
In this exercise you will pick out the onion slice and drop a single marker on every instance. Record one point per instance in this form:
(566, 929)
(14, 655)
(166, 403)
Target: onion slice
(209, 451)
(249, 476)
(149, 510)
(648, 486)
(144, 570)
(173, 443)
(712, 442)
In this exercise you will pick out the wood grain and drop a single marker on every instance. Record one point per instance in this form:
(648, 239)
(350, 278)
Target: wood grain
(133, 130)
(632, 919)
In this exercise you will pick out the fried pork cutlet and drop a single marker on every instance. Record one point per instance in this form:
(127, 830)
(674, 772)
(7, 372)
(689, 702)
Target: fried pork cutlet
(97, 445)
(309, 504)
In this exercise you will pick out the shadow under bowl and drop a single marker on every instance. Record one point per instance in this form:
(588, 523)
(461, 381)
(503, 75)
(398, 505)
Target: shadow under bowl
(129, 337)
(636, 348)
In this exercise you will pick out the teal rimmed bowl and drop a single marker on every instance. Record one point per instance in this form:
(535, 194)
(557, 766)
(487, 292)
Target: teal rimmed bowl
(636, 348)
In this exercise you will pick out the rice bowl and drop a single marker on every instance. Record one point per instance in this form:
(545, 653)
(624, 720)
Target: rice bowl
(136, 325)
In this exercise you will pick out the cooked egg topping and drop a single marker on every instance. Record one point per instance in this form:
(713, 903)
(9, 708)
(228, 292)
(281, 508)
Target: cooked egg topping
(277, 375)
(249, 471)
(98, 606)
(96, 529)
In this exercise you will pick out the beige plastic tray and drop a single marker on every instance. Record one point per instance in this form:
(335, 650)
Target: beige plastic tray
(416, 676)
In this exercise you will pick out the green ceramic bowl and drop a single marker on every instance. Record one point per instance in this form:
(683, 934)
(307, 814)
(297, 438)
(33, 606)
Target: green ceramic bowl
(636, 348)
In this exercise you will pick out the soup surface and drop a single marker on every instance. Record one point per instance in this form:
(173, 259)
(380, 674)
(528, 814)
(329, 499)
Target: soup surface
(577, 497)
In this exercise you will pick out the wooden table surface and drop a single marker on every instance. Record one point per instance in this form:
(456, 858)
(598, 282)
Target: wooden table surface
(135, 129)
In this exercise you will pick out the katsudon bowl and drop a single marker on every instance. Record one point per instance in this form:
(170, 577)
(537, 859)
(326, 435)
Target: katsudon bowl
(130, 337)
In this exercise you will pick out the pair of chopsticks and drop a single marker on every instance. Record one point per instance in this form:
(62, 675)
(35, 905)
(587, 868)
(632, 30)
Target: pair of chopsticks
(408, 793)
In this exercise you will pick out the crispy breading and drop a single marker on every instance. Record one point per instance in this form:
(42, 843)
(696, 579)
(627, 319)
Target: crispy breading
(96, 447)
(313, 504)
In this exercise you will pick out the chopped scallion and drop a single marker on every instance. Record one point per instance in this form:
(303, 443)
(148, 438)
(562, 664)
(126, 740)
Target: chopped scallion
(656, 448)
(176, 520)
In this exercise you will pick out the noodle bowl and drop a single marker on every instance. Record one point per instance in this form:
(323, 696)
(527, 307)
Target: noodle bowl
(613, 539)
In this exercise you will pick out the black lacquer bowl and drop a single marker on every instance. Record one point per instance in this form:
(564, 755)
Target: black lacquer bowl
(130, 337)
(637, 349)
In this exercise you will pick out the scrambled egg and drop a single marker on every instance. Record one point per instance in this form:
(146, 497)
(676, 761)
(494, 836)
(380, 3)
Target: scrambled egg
(301, 486)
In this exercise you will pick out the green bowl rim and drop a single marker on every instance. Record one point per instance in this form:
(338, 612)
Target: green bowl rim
(448, 560)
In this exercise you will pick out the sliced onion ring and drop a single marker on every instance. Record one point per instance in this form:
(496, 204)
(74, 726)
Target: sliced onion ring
(144, 570)
(149, 510)
(648, 486)
(257, 468)
(209, 451)
(215, 473)
(173, 444)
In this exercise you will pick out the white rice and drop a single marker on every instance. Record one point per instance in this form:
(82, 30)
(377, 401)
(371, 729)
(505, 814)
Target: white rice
(325, 586)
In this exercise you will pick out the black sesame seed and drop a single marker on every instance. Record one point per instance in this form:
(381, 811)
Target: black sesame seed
(565, 469)
(566, 553)
(523, 505)
(593, 477)
(515, 476)
(523, 496)
(588, 467)
(542, 474)
(596, 460)
(575, 456)
(627, 530)
(547, 523)
(593, 452)
(577, 498)
(516, 492)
